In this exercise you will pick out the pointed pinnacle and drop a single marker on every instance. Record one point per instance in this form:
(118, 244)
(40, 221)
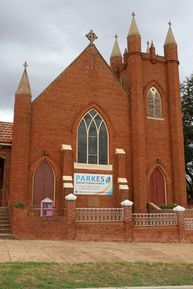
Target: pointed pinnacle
(170, 36)
(152, 44)
(116, 50)
(147, 51)
(24, 86)
(133, 28)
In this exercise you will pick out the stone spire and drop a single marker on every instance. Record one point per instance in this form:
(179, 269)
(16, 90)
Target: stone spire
(152, 49)
(133, 28)
(148, 48)
(116, 50)
(24, 86)
(170, 36)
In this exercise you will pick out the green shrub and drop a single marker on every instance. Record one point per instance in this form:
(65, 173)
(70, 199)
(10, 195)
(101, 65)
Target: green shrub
(19, 204)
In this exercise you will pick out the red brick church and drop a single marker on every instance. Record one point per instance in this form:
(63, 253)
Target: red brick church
(103, 133)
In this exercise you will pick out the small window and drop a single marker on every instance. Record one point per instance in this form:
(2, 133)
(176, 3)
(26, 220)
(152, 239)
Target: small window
(92, 139)
(154, 106)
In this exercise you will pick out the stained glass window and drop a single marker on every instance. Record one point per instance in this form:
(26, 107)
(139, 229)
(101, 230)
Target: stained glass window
(92, 139)
(154, 105)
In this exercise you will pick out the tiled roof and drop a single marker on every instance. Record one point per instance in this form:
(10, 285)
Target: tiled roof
(6, 129)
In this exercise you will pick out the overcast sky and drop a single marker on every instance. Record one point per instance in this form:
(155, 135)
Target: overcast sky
(49, 34)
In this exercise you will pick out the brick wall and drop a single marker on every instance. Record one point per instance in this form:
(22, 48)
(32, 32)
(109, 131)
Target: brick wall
(100, 231)
(36, 227)
(27, 225)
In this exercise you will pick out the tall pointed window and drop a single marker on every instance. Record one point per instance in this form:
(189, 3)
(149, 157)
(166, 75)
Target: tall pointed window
(92, 139)
(154, 105)
(43, 183)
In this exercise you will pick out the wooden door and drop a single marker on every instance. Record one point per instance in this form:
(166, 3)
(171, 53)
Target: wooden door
(157, 188)
(43, 185)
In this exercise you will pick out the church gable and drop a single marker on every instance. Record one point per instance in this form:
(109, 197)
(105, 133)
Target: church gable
(88, 70)
(86, 81)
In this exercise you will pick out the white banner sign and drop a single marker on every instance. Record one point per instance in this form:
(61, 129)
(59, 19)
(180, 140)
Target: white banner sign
(93, 184)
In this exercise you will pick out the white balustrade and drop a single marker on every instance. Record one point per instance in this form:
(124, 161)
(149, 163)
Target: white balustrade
(99, 215)
(188, 222)
(155, 219)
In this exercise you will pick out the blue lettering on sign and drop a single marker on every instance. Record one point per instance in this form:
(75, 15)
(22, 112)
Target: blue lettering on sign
(92, 179)
(77, 178)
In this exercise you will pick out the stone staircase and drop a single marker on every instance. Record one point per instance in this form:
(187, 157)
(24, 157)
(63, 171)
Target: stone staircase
(5, 226)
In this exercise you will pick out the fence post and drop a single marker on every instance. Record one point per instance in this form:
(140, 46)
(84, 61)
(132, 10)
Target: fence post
(180, 216)
(71, 216)
(127, 206)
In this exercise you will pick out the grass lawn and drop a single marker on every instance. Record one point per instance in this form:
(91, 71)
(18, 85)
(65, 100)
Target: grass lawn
(83, 275)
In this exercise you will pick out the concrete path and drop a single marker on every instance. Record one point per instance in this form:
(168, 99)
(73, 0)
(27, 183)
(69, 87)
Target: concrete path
(75, 251)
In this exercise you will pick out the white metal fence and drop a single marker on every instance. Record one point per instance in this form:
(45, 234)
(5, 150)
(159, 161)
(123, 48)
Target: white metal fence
(99, 215)
(155, 219)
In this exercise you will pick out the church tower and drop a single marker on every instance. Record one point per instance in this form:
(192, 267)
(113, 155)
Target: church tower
(175, 111)
(133, 76)
(152, 83)
(21, 140)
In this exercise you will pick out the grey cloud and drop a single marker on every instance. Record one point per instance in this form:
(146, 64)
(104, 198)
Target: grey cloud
(50, 34)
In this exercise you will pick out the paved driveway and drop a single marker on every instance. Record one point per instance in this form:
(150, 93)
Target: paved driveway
(75, 251)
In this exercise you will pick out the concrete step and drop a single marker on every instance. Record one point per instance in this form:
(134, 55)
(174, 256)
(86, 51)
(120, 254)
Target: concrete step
(6, 236)
(4, 214)
(4, 220)
(5, 226)
(4, 211)
(5, 230)
(4, 208)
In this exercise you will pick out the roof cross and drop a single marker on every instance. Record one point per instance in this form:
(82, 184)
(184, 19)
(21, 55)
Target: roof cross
(25, 65)
(170, 23)
(91, 36)
(133, 14)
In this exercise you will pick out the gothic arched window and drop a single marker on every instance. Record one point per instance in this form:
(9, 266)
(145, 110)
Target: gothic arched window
(43, 183)
(154, 105)
(92, 139)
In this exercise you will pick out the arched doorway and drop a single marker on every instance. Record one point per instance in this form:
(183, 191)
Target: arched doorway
(43, 183)
(2, 164)
(157, 187)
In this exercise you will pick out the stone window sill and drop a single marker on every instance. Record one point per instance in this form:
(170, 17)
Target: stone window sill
(155, 118)
(93, 167)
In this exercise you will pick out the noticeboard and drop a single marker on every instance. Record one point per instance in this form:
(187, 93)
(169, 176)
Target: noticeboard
(93, 184)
